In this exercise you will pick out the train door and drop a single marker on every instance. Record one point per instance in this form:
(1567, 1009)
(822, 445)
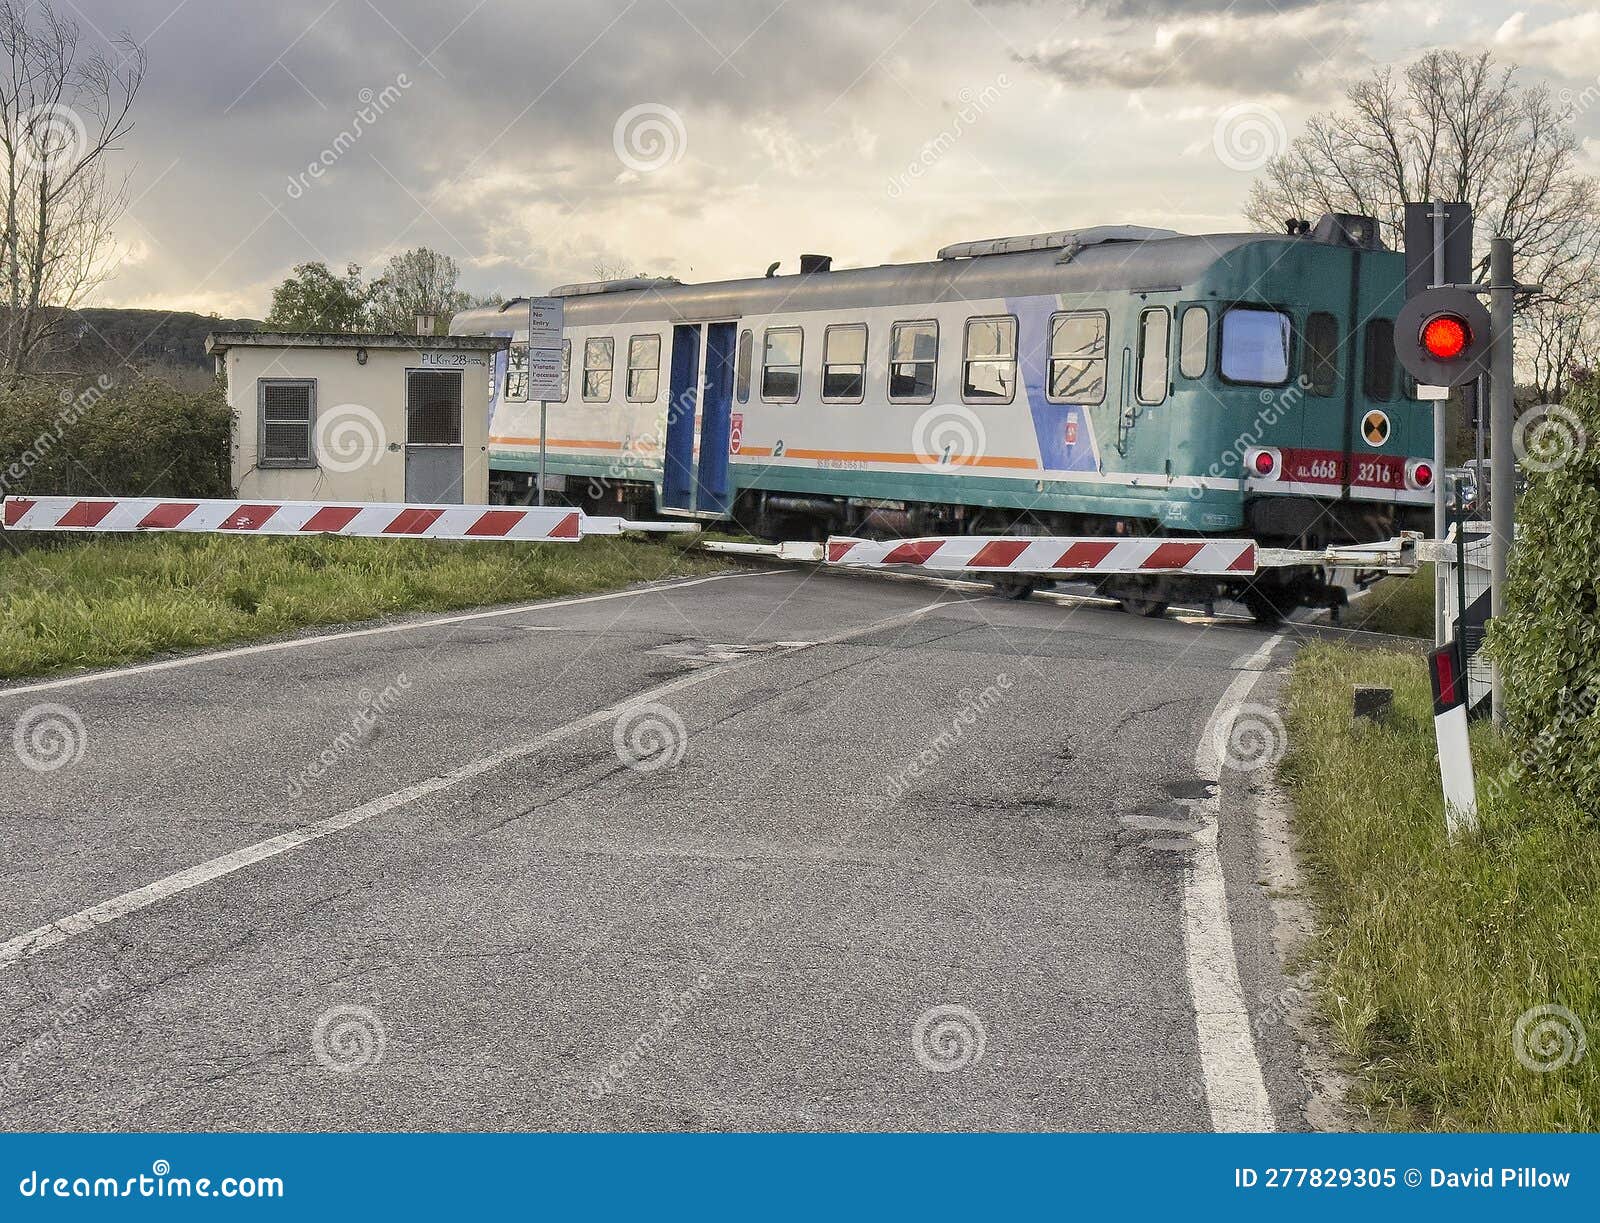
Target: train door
(677, 481)
(716, 419)
(699, 419)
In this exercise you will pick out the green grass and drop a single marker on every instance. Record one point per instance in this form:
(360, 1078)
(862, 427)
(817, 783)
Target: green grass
(108, 600)
(1431, 951)
(1402, 606)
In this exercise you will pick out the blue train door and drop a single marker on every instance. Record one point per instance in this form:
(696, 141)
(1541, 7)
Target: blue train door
(677, 482)
(716, 419)
(699, 419)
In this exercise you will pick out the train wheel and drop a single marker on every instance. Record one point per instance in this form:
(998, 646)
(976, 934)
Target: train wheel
(1262, 609)
(1015, 588)
(1150, 608)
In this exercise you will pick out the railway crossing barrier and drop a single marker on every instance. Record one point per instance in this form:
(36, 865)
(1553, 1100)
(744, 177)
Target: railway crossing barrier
(1023, 556)
(1060, 555)
(392, 520)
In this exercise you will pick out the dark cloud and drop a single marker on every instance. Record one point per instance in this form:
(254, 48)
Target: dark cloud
(495, 141)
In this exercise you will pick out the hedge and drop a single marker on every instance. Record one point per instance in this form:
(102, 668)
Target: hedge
(1548, 642)
(140, 437)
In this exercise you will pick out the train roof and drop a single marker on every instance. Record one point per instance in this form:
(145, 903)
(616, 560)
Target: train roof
(1116, 259)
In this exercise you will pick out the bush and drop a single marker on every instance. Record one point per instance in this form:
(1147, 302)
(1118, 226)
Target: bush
(1548, 642)
(136, 438)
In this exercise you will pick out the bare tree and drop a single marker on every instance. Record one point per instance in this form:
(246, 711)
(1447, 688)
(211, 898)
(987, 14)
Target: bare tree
(1453, 127)
(63, 109)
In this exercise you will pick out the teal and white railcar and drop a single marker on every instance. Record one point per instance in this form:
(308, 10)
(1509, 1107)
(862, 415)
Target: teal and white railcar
(1115, 380)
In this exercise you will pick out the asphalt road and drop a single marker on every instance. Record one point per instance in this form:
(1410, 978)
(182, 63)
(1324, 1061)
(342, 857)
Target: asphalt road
(776, 850)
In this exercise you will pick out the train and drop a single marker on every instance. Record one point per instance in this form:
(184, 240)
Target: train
(1117, 380)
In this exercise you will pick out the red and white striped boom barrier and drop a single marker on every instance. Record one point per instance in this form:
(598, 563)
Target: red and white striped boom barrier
(390, 520)
(1049, 555)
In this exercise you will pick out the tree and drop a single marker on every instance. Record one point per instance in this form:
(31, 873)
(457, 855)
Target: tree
(419, 281)
(1453, 127)
(314, 299)
(62, 111)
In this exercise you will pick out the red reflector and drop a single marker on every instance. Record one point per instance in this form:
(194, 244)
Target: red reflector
(1263, 464)
(1446, 337)
(1424, 474)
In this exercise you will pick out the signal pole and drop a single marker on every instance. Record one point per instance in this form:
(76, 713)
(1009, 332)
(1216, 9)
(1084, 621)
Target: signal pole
(1439, 214)
(1502, 420)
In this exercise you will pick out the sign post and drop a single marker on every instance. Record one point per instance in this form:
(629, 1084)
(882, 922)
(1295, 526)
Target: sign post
(544, 364)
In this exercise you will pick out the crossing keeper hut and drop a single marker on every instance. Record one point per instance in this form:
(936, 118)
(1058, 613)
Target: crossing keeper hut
(343, 417)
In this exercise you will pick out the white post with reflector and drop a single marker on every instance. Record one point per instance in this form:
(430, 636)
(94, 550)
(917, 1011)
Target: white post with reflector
(1455, 747)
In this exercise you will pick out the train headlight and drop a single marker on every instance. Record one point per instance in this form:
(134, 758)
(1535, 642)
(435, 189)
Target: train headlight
(1419, 474)
(1265, 463)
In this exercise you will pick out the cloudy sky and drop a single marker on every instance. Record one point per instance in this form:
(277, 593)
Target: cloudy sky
(706, 138)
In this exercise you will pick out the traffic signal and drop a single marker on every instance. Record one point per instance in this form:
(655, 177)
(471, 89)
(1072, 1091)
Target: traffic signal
(1442, 337)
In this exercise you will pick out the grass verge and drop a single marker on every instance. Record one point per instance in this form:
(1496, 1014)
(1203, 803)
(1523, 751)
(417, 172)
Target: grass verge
(1401, 606)
(1435, 956)
(108, 600)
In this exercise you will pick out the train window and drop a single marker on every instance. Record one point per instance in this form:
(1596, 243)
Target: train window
(597, 356)
(780, 364)
(566, 368)
(1155, 333)
(1078, 357)
(517, 373)
(644, 368)
(844, 363)
(1255, 346)
(1378, 376)
(913, 362)
(1322, 354)
(1194, 342)
(742, 367)
(990, 366)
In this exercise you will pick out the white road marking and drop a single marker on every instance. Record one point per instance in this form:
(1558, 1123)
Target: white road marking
(107, 911)
(1236, 1092)
(272, 647)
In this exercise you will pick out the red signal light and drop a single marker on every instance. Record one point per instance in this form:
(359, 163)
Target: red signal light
(1424, 474)
(1263, 463)
(1446, 336)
